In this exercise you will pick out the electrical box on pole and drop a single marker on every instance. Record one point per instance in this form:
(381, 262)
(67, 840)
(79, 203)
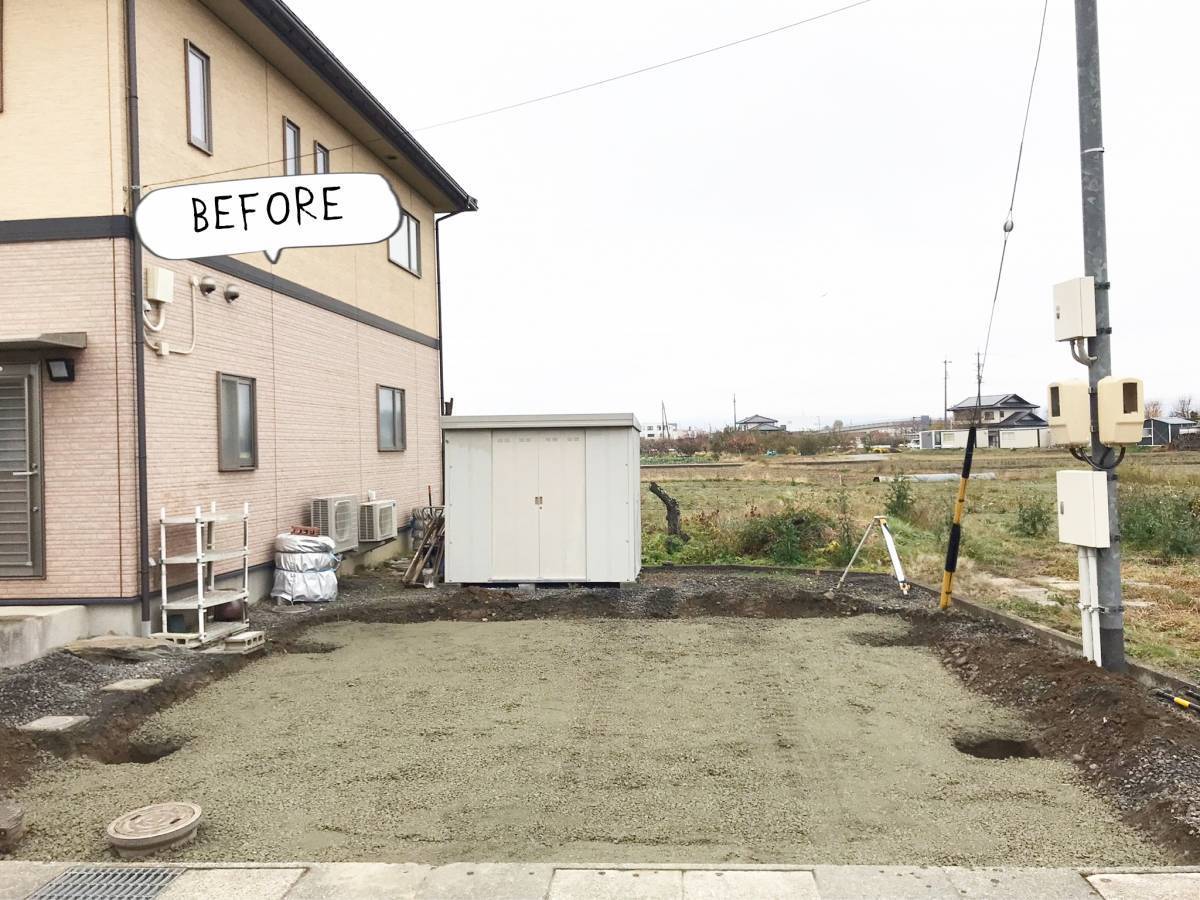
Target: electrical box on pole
(1069, 411)
(1075, 309)
(1083, 508)
(1121, 410)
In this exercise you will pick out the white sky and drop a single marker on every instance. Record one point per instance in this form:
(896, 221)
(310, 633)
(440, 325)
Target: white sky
(812, 220)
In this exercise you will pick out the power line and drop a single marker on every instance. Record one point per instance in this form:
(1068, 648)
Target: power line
(572, 90)
(1008, 221)
(660, 65)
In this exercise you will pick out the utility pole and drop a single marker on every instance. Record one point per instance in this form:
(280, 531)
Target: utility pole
(735, 412)
(945, 393)
(978, 389)
(1095, 262)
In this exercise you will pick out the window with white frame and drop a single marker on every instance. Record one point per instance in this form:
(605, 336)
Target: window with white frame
(392, 425)
(404, 247)
(237, 423)
(320, 159)
(291, 147)
(198, 87)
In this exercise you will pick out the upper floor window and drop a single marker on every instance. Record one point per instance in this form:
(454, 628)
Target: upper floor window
(320, 159)
(291, 147)
(404, 247)
(198, 78)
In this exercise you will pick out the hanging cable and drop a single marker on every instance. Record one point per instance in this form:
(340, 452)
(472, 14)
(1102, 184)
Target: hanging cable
(572, 90)
(1012, 200)
(955, 537)
(660, 65)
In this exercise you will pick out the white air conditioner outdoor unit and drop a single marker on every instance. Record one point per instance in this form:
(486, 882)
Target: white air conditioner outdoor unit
(377, 521)
(337, 517)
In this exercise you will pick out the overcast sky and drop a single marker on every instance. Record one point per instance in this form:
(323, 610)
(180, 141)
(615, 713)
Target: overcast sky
(811, 220)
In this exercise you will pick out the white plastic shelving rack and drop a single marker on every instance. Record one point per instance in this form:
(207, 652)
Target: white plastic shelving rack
(207, 595)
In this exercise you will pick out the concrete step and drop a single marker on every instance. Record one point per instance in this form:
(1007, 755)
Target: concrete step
(27, 632)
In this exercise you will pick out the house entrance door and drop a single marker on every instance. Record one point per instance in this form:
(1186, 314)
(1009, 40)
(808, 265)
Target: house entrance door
(20, 471)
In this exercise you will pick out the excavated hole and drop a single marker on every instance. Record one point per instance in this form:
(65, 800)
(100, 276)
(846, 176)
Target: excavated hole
(992, 747)
(143, 754)
(310, 647)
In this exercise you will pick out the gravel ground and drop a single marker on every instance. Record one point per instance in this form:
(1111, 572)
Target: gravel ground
(61, 684)
(701, 739)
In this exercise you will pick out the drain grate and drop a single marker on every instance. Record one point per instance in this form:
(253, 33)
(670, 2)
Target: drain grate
(108, 883)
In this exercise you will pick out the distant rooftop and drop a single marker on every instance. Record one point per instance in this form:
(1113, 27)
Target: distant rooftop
(987, 401)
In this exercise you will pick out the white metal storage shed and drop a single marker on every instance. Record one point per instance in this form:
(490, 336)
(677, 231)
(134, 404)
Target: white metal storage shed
(542, 498)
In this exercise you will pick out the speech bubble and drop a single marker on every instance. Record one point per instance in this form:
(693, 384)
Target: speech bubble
(223, 218)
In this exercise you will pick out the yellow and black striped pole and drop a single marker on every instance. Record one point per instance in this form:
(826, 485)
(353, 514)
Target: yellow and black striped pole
(956, 526)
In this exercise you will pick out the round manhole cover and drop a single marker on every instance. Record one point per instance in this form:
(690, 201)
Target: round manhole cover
(151, 828)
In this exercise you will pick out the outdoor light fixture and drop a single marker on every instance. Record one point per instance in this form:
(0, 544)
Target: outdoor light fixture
(61, 369)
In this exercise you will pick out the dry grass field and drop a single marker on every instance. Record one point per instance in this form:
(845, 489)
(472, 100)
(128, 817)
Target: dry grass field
(1030, 574)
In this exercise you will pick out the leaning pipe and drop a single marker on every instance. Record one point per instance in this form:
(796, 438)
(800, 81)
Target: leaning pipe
(938, 476)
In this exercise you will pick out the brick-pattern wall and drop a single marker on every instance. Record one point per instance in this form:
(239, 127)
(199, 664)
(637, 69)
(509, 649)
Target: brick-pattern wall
(89, 465)
(316, 374)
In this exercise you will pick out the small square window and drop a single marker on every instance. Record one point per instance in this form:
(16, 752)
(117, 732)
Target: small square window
(198, 88)
(404, 247)
(320, 159)
(392, 425)
(237, 423)
(291, 147)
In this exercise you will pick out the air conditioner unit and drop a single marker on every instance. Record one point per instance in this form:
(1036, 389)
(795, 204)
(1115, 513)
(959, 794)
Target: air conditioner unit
(377, 521)
(337, 517)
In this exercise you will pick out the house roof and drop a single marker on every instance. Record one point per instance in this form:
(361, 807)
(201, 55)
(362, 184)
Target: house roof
(991, 401)
(756, 419)
(1023, 418)
(287, 43)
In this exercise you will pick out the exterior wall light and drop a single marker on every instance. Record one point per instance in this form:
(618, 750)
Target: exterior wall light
(60, 369)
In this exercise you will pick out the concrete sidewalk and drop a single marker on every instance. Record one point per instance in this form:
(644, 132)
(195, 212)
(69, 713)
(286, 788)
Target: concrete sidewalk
(511, 881)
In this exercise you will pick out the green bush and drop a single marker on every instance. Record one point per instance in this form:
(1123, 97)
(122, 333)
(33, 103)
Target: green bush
(787, 538)
(1165, 521)
(844, 528)
(1034, 515)
(900, 498)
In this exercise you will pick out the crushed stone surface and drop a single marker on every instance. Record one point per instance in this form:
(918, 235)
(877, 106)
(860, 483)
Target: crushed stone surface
(61, 683)
(695, 740)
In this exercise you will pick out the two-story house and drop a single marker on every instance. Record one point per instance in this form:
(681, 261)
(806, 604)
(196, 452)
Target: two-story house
(319, 375)
(997, 411)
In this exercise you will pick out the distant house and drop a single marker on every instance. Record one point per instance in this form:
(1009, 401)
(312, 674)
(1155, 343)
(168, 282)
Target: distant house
(1159, 431)
(759, 423)
(997, 411)
(655, 431)
(1009, 421)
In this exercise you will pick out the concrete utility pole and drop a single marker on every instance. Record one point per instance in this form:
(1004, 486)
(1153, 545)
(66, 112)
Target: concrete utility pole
(945, 393)
(735, 411)
(978, 388)
(1095, 263)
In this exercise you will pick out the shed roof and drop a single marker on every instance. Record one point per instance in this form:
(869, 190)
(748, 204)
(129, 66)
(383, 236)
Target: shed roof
(1170, 420)
(566, 420)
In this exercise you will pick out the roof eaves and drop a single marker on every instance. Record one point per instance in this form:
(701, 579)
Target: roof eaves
(288, 27)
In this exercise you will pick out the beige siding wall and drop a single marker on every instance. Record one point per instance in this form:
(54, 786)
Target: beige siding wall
(62, 128)
(316, 374)
(250, 99)
(89, 465)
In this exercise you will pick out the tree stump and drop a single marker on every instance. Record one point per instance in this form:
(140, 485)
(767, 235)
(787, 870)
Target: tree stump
(673, 526)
